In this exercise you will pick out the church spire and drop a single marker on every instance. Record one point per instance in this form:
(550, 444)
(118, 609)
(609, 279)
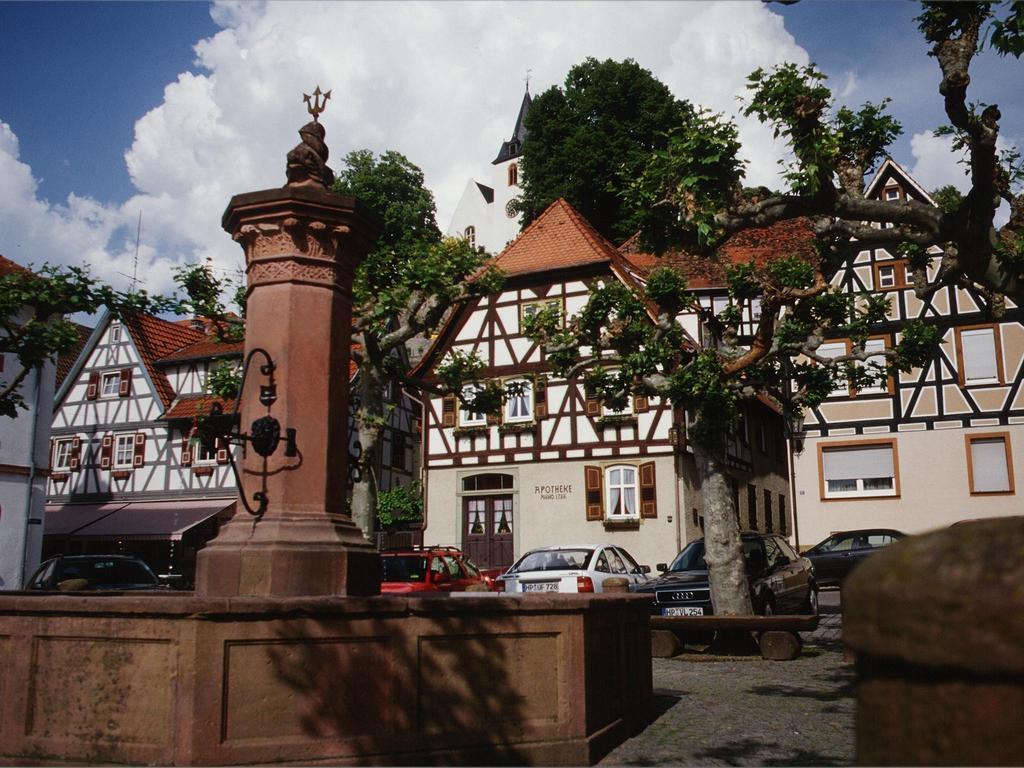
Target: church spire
(513, 148)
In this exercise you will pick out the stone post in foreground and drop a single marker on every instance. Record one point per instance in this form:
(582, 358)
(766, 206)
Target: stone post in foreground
(302, 244)
(936, 623)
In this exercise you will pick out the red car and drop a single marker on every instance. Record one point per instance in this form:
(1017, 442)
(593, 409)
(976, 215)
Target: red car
(429, 569)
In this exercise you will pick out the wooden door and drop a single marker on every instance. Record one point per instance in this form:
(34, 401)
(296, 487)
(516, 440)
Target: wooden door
(487, 530)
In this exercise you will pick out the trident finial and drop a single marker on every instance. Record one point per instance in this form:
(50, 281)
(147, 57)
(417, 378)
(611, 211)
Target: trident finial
(315, 104)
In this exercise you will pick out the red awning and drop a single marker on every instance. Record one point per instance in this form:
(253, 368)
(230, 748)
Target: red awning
(148, 520)
(64, 519)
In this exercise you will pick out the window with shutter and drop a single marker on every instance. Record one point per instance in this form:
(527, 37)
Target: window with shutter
(139, 455)
(222, 450)
(448, 411)
(186, 450)
(62, 452)
(540, 398)
(980, 355)
(989, 463)
(593, 483)
(76, 454)
(106, 451)
(125, 386)
(858, 469)
(648, 491)
(640, 404)
(92, 391)
(124, 451)
(621, 492)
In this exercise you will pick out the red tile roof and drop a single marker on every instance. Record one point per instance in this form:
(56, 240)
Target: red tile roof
(67, 361)
(191, 406)
(557, 239)
(155, 338)
(761, 245)
(7, 266)
(209, 346)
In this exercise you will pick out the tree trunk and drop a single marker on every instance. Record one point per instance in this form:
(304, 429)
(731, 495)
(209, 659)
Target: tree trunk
(369, 420)
(723, 551)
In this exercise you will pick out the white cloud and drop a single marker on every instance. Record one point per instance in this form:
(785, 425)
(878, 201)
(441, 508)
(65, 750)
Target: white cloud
(440, 82)
(936, 163)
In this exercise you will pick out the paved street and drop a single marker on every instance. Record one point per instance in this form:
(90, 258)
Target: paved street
(747, 711)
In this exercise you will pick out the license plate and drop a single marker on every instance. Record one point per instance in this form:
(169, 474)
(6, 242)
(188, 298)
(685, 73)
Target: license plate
(544, 586)
(682, 611)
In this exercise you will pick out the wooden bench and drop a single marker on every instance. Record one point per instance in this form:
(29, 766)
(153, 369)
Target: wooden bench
(776, 636)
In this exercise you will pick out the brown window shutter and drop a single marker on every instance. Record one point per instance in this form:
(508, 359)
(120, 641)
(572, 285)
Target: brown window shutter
(540, 398)
(76, 454)
(648, 496)
(93, 390)
(186, 450)
(106, 451)
(448, 411)
(222, 450)
(493, 418)
(139, 455)
(640, 404)
(593, 406)
(594, 485)
(124, 388)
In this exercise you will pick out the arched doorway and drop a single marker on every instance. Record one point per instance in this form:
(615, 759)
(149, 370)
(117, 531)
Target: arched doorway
(487, 520)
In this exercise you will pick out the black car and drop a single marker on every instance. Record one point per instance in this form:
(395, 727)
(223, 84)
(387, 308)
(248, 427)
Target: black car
(837, 555)
(780, 580)
(93, 573)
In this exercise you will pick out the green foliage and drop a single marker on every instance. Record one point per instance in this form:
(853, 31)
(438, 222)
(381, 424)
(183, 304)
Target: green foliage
(917, 345)
(33, 308)
(458, 369)
(587, 140)
(1009, 254)
(400, 505)
(224, 380)
(947, 198)
(1007, 34)
(205, 291)
(862, 137)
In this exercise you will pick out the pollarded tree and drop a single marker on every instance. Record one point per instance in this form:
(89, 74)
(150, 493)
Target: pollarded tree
(690, 197)
(403, 290)
(34, 310)
(584, 139)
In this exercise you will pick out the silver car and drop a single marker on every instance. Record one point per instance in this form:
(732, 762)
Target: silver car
(582, 568)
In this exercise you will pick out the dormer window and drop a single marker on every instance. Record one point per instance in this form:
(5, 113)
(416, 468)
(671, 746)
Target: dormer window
(470, 235)
(513, 175)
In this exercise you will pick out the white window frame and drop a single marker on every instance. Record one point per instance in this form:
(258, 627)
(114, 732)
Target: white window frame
(115, 333)
(62, 454)
(110, 378)
(622, 485)
(860, 489)
(470, 235)
(989, 438)
(468, 418)
(531, 308)
(119, 442)
(886, 281)
(889, 196)
(197, 453)
(516, 403)
(991, 331)
(839, 348)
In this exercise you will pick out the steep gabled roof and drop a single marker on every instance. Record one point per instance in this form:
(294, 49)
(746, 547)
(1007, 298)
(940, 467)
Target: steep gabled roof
(560, 238)
(514, 146)
(762, 245)
(207, 347)
(891, 169)
(154, 339)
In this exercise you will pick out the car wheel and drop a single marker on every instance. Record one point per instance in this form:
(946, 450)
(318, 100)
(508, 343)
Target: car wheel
(811, 604)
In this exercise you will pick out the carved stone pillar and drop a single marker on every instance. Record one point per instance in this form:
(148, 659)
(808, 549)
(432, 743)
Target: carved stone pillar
(302, 245)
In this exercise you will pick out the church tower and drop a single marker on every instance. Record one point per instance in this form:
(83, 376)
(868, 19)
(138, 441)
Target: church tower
(483, 215)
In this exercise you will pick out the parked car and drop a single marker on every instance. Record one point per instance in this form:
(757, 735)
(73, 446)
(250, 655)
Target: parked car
(93, 573)
(780, 580)
(837, 555)
(582, 568)
(429, 569)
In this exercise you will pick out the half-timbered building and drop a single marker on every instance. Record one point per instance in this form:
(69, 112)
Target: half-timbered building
(129, 470)
(926, 448)
(558, 466)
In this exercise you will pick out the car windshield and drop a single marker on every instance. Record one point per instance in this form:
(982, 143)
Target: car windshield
(692, 556)
(553, 560)
(107, 572)
(403, 568)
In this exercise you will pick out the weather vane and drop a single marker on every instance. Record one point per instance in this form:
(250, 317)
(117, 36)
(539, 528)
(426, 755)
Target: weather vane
(315, 104)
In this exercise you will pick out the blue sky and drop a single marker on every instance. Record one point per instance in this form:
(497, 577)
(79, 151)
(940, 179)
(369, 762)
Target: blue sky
(169, 108)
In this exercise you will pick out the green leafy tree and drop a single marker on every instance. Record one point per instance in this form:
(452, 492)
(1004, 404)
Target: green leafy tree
(585, 140)
(34, 307)
(690, 196)
(400, 505)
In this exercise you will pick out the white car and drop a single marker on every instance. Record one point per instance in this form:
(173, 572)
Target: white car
(582, 568)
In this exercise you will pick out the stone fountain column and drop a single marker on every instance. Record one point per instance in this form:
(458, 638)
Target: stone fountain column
(302, 244)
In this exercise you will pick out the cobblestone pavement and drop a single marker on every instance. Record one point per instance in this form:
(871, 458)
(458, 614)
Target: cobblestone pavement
(747, 711)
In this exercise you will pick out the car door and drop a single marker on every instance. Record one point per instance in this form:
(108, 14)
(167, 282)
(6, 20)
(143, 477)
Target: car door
(459, 579)
(636, 572)
(832, 558)
(798, 576)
